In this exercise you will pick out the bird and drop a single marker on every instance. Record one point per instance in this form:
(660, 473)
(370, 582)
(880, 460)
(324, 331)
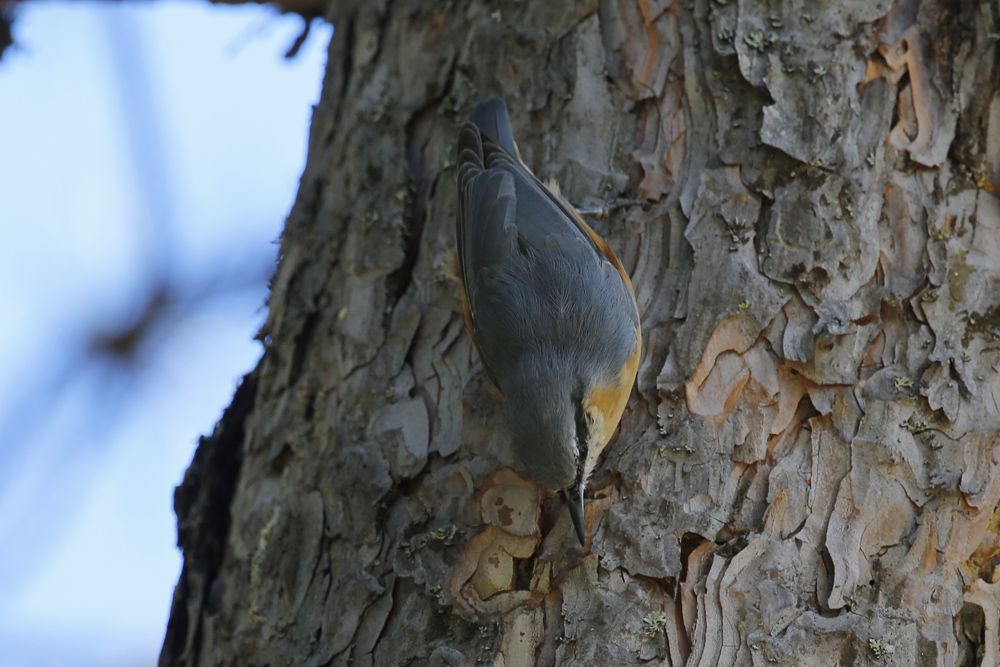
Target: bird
(549, 307)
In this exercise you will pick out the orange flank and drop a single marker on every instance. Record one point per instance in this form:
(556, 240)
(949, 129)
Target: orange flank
(454, 271)
(606, 403)
(609, 400)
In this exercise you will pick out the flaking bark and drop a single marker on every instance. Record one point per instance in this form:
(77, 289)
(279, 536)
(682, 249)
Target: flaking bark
(808, 472)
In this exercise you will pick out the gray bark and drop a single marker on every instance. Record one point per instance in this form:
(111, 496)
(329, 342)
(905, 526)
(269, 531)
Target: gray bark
(808, 472)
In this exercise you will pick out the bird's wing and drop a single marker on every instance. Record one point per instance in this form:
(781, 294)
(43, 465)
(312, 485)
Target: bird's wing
(540, 213)
(486, 229)
(498, 149)
(521, 250)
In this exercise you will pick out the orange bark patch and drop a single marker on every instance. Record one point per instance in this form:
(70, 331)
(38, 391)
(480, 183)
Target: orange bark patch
(722, 373)
(985, 560)
(934, 130)
(739, 374)
(645, 74)
(510, 506)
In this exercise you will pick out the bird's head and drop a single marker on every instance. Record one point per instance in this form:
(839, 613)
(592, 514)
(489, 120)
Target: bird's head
(556, 439)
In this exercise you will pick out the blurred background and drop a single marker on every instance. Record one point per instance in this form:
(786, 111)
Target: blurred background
(149, 154)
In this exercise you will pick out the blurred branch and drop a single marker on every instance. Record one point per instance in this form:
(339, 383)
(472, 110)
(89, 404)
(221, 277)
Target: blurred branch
(82, 381)
(293, 50)
(307, 9)
(168, 305)
(125, 346)
(7, 10)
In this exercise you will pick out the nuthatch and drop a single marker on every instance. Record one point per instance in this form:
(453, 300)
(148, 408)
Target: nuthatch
(549, 308)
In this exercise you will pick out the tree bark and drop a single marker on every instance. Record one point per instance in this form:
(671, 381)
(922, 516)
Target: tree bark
(808, 472)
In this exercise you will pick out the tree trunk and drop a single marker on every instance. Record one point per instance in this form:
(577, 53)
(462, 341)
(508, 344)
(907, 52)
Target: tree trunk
(808, 472)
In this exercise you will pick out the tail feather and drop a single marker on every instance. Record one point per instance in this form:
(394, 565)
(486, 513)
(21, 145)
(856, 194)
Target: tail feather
(491, 118)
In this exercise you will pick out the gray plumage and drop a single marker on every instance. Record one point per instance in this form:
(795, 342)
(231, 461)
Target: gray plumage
(551, 315)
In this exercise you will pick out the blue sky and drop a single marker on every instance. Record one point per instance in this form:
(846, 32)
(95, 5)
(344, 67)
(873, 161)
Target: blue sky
(144, 147)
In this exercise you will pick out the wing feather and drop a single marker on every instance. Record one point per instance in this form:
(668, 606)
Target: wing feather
(534, 272)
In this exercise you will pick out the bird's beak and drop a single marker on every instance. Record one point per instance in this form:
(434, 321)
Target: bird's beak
(573, 497)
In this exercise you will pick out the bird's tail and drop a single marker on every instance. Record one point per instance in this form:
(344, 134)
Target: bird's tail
(492, 119)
